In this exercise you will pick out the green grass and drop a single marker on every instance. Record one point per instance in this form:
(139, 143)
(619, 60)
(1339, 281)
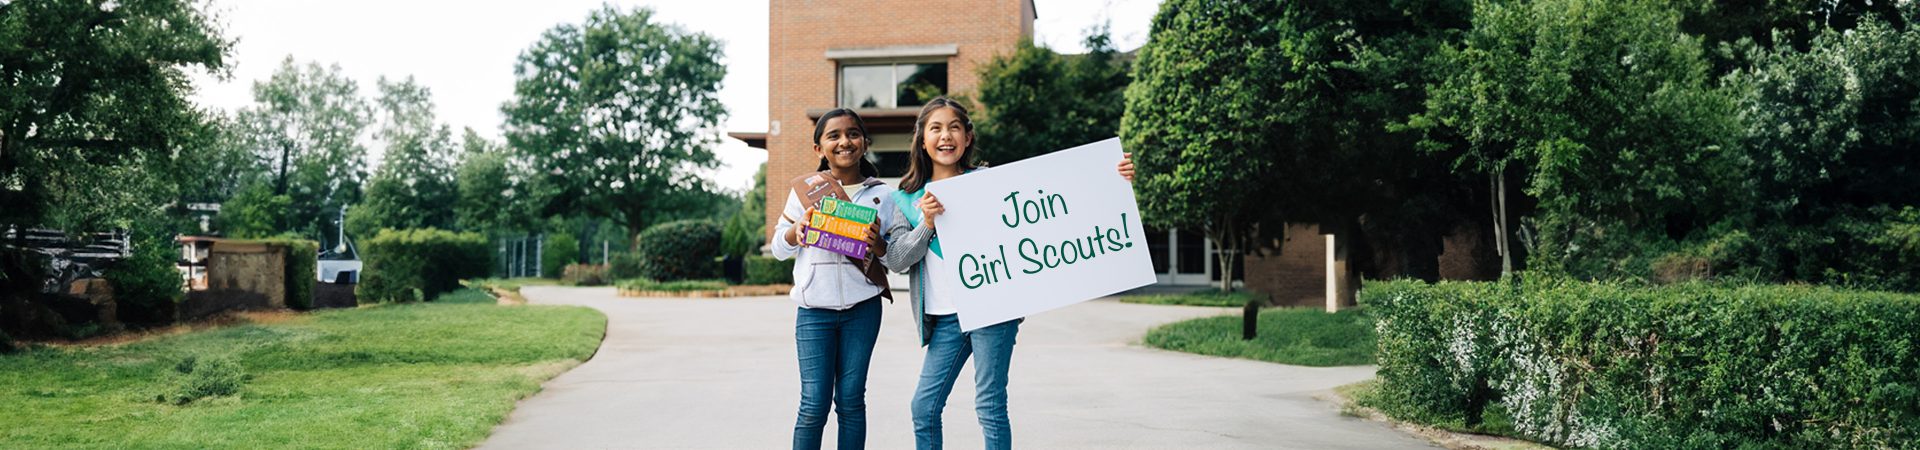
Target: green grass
(642, 284)
(466, 296)
(402, 376)
(1299, 336)
(1206, 297)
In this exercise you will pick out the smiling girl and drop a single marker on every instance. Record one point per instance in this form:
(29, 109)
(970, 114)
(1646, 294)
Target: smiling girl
(839, 313)
(942, 148)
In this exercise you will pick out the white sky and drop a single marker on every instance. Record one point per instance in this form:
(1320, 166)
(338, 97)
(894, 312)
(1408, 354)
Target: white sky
(464, 51)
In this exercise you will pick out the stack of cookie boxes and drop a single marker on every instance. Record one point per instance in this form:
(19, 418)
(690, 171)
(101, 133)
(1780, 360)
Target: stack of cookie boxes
(839, 226)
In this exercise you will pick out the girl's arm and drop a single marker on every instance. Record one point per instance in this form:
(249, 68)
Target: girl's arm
(906, 245)
(783, 249)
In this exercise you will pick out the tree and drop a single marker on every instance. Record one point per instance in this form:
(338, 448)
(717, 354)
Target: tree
(414, 187)
(1202, 117)
(93, 105)
(490, 198)
(307, 124)
(618, 115)
(1603, 110)
(1828, 158)
(1038, 101)
(1244, 117)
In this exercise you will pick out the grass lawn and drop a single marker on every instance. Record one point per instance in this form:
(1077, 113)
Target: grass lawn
(1299, 336)
(1204, 297)
(435, 375)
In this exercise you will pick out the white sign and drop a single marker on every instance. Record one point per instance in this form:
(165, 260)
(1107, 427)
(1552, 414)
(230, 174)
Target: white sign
(1038, 234)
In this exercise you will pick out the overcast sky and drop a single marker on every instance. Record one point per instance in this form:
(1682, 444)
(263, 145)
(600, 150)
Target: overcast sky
(464, 51)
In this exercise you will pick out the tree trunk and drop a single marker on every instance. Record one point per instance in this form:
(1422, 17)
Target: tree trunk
(1498, 198)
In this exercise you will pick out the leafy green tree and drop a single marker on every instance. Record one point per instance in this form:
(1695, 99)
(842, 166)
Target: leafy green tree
(1603, 110)
(307, 124)
(1203, 114)
(1246, 116)
(414, 186)
(254, 212)
(619, 115)
(93, 107)
(1828, 152)
(489, 200)
(1038, 101)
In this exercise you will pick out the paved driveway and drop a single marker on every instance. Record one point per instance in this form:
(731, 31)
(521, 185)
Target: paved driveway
(720, 373)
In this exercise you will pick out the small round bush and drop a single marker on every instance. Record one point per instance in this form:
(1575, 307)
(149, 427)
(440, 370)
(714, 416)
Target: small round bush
(682, 250)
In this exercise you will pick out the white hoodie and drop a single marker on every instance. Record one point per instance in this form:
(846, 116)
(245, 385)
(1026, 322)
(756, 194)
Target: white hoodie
(824, 279)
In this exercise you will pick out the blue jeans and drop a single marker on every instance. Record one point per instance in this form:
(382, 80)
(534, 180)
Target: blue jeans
(992, 348)
(835, 349)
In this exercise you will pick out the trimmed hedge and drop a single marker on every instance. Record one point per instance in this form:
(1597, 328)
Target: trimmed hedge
(1684, 366)
(415, 265)
(680, 250)
(764, 270)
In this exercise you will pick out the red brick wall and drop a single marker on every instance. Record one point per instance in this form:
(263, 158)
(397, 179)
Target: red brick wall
(801, 77)
(1295, 274)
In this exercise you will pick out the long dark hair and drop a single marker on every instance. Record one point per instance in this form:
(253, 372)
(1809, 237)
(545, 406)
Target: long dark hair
(920, 166)
(867, 169)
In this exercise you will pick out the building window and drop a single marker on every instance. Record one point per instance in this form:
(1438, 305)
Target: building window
(892, 85)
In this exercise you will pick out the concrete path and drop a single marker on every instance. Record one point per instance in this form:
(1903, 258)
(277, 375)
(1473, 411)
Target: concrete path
(720, 373)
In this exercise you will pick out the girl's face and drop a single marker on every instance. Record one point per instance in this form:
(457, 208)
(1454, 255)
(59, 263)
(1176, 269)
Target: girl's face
(946, 137)
(842, 143)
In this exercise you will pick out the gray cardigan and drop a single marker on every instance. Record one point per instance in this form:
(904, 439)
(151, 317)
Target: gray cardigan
(907, 253)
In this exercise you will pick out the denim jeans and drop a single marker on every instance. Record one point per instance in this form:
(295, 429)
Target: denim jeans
(992, 349)
(835, 348)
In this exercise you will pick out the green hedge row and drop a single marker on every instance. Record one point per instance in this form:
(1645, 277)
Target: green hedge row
(764, 270)
(415, 265)
(1683, 366)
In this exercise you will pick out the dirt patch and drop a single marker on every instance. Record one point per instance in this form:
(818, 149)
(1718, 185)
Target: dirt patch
(507, 296)
(730, 291)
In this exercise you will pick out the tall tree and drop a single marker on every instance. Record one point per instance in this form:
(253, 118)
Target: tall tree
(93, 105)
(1602, 109)
(620, 114)
(1038, 101)
(492, 198)
(414, 186)
(1205, 112)
(307, 124)
(1247, 116)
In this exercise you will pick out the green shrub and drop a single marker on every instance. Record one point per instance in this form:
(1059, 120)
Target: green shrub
(624, 266)
(303, 269)
(146, 287)
(415, 265)
(584, 275)
(6, 343)
(560, 250)
(680, 250)
(741, 236)
(764, 270)
(642, 284)
(1690, 365)
(195, 378)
